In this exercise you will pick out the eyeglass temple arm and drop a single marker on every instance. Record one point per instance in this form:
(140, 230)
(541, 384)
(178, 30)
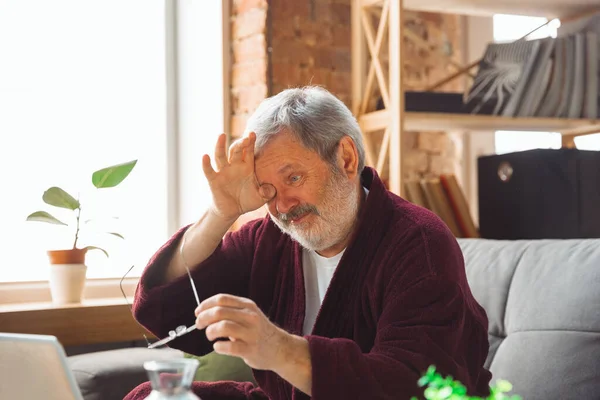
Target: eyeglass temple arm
(129, 305)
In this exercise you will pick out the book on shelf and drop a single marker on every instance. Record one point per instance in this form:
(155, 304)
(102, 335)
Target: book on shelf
(548, 77)
(589, 28)
(501, 77)
(444, 197)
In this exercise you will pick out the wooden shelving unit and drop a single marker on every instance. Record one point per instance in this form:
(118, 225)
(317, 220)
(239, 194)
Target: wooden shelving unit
(394, 121)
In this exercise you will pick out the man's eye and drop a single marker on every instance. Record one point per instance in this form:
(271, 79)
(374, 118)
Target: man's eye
(295, 178)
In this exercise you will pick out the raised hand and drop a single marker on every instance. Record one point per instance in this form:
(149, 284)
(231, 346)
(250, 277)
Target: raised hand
(234, 186)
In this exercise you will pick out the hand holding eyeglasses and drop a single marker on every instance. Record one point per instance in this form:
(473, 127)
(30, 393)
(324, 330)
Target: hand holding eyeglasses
(251, 335)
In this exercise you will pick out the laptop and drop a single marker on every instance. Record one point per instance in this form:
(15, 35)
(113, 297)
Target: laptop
(35, 367)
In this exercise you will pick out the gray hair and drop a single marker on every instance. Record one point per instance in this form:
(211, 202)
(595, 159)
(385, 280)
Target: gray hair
(313, 115)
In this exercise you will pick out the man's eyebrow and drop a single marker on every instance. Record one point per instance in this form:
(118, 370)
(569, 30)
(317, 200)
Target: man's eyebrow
(285, 168)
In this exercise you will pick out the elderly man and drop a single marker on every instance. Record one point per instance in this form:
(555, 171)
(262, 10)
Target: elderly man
(343, 291)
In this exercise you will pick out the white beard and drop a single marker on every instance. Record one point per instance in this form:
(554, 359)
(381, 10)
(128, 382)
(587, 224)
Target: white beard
(334, 218)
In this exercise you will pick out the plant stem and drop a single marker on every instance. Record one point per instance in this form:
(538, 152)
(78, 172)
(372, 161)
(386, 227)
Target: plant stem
(77, 228)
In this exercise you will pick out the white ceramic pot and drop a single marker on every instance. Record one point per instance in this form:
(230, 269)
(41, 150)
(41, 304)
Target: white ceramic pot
(66, 282)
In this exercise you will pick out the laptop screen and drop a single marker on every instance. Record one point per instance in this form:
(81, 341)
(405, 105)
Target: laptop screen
(35, 367)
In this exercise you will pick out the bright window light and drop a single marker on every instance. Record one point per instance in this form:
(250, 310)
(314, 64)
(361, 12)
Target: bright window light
(508, 28)
(511, 141)
(589, 142)
(82, 86)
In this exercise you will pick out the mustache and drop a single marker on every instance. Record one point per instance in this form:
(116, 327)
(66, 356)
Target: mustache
(297, 212)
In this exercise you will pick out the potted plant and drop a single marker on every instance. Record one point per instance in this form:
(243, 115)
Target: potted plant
(440, 388)
(68, 267)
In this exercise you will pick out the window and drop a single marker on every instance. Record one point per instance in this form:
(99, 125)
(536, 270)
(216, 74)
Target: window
(512, 27)
(81, 87)
(84, 85)
(508, 28)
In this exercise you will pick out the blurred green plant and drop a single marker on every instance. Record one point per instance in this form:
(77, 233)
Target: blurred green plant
(104, 178)
(440, 388)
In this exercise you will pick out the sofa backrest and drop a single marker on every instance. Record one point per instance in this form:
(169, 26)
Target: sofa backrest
(542, 298)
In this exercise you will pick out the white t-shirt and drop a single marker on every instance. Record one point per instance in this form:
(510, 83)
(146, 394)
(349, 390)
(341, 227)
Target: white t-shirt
(318, 271)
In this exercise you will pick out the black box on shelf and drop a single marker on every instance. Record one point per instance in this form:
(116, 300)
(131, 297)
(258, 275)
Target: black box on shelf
(432, 102)
(540, 194)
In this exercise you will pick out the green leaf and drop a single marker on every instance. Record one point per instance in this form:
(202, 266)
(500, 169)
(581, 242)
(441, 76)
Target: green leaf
(57, 197)
(43, 216)
(430, 371)
(503, 386)
(112, 176)
(444, 392)
(97, 248)
(424, 380)
(430, 393)
(116, 234)
(459, 388)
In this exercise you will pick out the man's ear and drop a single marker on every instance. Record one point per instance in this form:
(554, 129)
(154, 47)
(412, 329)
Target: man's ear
(348, 157)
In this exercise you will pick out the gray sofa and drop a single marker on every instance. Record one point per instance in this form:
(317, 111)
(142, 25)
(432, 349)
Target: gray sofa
(543, 303)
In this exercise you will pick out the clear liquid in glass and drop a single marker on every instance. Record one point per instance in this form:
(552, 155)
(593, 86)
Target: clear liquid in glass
(172, 379)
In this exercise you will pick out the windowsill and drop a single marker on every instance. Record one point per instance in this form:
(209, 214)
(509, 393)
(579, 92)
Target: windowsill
(48, 305)
(39, 292)
(103, 316)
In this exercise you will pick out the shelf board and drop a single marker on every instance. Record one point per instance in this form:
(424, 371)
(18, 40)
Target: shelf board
(421, 121)
(90, 322)
(543, 8)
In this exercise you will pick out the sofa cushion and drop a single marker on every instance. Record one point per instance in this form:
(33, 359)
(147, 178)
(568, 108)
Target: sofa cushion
(542, 299)
(112, 374)
(218, 367)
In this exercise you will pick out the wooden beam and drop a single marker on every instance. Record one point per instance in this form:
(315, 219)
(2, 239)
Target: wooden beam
(374, 121)
(568, 142)
(568, 137)
(422, 121)
(359, 57)
(371, 3)
(375, 66)
(396, 109)
(374, 43)
(384, 151)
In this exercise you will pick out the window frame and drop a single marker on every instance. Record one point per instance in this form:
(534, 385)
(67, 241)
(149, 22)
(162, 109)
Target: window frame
(98, 288)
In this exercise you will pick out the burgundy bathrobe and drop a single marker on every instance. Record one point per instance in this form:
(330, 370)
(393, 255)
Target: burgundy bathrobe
(398, 302)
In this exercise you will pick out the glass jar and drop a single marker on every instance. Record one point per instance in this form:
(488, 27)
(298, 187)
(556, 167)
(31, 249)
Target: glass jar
(172, 379)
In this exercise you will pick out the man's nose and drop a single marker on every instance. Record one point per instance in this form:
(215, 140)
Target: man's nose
(284, 203)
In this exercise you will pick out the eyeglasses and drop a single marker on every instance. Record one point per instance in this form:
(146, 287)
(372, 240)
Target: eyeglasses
(173, 334)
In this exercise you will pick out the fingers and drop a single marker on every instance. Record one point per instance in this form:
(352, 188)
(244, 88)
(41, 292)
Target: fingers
(236, 151)
(243, 150)
(225, 300)
(249, 156)
(220, 151)
(217, 314)
(231, 348)
(227, 329)
(209, 172)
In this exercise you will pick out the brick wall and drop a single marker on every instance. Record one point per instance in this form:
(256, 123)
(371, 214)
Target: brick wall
(289, 43)
(431, 153)
(311, 45)
(249, 58)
